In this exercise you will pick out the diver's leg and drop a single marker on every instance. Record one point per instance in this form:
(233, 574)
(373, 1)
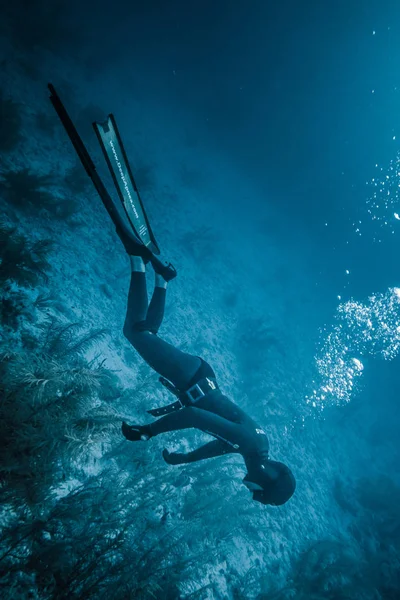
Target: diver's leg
(177, 366)
(137, 298)
(155, 312)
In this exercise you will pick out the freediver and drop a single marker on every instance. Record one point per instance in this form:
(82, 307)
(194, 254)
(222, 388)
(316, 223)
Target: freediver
(200, 404)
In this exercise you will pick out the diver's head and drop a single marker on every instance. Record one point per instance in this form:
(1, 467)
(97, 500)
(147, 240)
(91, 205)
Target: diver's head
(272, 483)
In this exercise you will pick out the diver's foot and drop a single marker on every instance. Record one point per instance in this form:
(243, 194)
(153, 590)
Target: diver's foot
(167, 272)
(135, 433)
(132, 245)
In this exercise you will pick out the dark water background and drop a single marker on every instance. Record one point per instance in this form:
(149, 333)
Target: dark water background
(284, 92)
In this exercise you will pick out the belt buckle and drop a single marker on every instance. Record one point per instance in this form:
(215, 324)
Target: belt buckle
(195, 393)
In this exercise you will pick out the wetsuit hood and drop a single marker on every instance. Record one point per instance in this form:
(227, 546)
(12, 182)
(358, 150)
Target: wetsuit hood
(276, 481)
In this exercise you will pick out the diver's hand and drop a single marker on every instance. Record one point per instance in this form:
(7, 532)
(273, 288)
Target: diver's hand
(173, 458)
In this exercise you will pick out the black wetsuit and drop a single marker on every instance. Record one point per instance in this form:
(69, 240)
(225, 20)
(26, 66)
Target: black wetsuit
(215, 413)
(223, 419)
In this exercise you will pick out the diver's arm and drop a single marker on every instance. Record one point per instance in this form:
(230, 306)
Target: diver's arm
(210, 450)
(189, 417)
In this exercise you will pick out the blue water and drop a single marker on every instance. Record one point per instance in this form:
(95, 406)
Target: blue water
(265, 141)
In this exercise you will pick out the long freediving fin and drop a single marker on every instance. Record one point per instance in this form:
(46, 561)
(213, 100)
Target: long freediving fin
(117, 161)
(84, 155)
(167, 271)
